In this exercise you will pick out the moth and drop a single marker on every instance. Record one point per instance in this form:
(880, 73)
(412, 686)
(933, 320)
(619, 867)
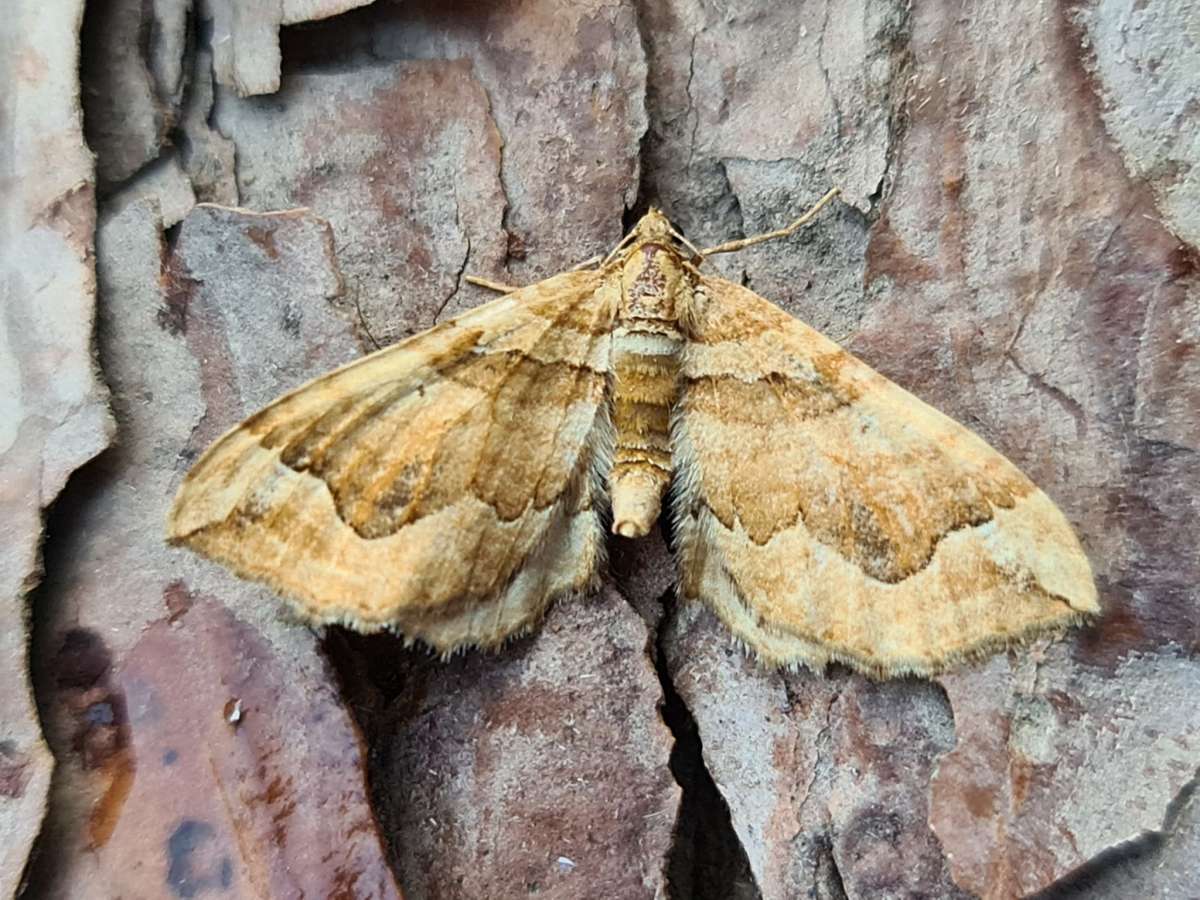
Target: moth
(451, 487)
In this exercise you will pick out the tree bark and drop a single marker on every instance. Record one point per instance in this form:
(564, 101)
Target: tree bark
(1017, 246)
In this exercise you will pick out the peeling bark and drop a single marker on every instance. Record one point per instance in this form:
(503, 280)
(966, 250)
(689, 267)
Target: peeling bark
(53, 412)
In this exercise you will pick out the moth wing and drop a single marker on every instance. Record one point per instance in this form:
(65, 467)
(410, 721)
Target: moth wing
(825, 513)
(442, 487)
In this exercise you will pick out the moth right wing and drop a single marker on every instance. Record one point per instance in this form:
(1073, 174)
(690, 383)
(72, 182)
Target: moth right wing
(825, 513)
(446, 487)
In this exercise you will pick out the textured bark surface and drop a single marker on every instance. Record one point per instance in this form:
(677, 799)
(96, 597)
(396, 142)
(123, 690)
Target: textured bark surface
(542, 770)
(53, 416)
(197, 734)
(1017, 247)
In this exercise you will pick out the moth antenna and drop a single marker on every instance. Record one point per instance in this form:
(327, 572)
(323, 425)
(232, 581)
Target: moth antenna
(698, 255)
(490, 285)
(617, 249)
(743, 243)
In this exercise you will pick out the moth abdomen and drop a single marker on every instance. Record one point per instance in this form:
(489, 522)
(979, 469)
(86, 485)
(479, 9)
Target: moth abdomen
(646, 366)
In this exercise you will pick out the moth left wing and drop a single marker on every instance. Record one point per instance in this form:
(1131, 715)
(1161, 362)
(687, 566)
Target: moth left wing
(444, 487)
(825, 513)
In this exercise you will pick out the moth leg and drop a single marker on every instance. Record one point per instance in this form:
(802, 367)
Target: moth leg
(587, 264)
(743, 243)
(502, 288)
(497, 286)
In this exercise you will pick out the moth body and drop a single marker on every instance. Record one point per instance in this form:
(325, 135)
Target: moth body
(647, 342)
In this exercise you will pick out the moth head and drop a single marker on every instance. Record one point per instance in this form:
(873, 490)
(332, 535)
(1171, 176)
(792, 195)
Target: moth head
(653, 226)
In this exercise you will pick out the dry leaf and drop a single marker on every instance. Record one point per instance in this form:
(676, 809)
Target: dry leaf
(452, 486)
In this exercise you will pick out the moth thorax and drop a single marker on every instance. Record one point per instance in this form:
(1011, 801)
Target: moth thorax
(652, 283)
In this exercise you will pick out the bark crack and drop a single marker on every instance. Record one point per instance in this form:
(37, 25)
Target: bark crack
(500, 153)
(1066, 401)
(821, 764)
(819, 840)
(707, 860)
(828, 82)
(693, 113)
(1122, 866)
(462, 265)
